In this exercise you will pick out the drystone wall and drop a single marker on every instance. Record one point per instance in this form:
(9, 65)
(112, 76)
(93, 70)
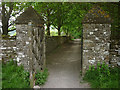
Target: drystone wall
(96, 43)
(22, 44)
(0, 47)
(12, 47)
(8, 48)
(115, 51)
(31, 46)
(52, 42)
(30, 40)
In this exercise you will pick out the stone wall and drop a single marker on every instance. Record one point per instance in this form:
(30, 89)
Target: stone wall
(96, 42)
(31, 46)
(22, 44)
(115, 50)
(52, 42)
(30, 43)
(8, 48)
(0, 46)
(30, 40)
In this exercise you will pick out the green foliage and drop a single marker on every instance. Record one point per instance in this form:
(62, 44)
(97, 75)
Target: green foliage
(113, 10)
(53, 33)
(72, 39)
(14, 76)
(41, 77)
(64, 16)
(102, 76)
(67, 16)
(10, 11)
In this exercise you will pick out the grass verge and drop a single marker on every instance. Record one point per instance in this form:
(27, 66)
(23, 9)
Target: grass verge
(41, 77)
(103, 76)
(14, 76)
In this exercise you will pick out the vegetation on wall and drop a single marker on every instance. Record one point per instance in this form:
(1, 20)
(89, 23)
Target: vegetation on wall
(113, 10)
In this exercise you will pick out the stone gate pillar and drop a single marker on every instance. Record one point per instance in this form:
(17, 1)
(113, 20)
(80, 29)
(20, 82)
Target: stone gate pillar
(96, 37)
(30, 40)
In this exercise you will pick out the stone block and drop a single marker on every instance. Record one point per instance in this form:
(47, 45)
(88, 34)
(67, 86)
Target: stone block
(96, 46)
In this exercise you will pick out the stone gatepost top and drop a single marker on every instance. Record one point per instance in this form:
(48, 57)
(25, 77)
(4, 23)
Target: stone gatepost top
(97, 16)
(29, 15)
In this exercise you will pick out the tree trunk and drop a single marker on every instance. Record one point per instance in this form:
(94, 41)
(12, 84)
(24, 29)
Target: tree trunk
(4, 21)
(59, 33)
(5, 27)
(5, 17)
(48, 22)
(48, 29)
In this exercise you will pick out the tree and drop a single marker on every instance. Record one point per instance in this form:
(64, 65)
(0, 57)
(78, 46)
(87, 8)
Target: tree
(61, 11)
(6, 16)
(74, 16)
(62, 15)
(46, 10)
(10, 10)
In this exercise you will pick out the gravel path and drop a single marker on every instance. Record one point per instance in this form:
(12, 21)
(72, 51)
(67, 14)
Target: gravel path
(64, 67)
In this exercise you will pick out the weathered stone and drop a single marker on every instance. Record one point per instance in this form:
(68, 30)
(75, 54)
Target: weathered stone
(114, 51)
(97, 16)
(30, 30)
(96, 49)
(36, 87)
(8, 48)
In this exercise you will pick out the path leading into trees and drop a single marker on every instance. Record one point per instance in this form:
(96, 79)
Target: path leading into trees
(64, 67)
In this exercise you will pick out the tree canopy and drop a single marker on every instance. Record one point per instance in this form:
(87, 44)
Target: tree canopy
(64, 16)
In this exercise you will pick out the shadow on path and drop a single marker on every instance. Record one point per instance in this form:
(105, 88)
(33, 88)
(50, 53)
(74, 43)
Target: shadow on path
(64, 67)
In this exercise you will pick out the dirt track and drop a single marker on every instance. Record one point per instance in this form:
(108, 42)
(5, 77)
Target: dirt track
(64, 67)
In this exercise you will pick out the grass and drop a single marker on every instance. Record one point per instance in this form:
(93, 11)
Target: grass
(14, 76)
(103, 76)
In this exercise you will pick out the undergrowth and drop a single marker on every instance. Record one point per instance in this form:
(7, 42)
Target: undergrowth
(41, 77)
(103, 76)
(14, 76)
